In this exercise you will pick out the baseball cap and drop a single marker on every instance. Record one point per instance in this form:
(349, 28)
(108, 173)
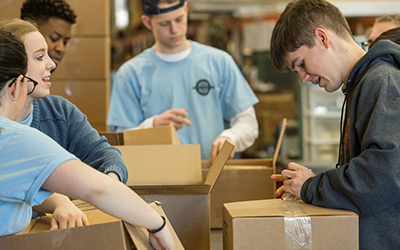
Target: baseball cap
(150, 7)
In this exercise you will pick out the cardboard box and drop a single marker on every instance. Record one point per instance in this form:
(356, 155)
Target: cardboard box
(88, 96)
(187, 205)
(113, 138)
(93, 63)
(271, 224)
(243, 180)
(104, 232)
(93, 17)
(162, 135)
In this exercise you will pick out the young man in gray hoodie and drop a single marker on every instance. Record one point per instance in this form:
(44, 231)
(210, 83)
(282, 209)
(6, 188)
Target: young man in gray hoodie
(313, 39)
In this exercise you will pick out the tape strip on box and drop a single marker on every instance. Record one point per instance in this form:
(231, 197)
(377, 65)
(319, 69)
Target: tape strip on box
(298, 232)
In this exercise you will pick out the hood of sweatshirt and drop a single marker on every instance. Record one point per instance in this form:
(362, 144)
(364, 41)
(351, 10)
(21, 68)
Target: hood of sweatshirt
(383, 51)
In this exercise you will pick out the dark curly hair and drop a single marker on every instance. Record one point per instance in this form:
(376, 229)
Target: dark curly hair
(41, 10)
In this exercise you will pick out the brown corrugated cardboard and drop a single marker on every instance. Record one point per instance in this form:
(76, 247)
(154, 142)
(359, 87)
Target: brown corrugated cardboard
(93, 17)
(187, 206)
(93, 63)
(261, 225)
(114, 138)
(162, 135)
(243, 180)
(104, 232)
(240, 183)
(87, 95)
(162, 164)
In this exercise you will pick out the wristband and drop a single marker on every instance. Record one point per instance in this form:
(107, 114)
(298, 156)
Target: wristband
(158, 229)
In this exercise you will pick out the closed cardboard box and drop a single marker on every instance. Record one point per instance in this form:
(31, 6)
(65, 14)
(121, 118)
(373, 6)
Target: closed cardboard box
(93, 63)
(93, 17)
(104, 232)
(88, 96)
(282, 225)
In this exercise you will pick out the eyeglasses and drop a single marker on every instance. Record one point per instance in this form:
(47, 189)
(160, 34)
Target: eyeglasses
(29, 80)
(365, 45)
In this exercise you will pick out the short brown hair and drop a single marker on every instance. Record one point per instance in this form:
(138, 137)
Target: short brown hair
(296, 25)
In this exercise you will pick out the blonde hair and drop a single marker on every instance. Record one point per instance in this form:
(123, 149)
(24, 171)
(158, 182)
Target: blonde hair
(18, 27)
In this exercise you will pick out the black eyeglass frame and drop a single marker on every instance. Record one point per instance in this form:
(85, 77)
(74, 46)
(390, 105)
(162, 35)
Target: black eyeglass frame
(35, 83)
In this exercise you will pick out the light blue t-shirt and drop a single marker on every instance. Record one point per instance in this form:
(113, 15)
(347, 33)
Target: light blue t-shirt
(207, 82)
(28, 157)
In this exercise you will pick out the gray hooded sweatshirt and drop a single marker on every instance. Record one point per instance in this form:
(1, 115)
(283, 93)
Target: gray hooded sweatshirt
(367, 179)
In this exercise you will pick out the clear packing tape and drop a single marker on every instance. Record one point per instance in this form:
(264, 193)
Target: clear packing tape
(297, 224)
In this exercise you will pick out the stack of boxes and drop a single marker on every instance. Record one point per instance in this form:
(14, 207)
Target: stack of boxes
(83, 77)
(84, 74)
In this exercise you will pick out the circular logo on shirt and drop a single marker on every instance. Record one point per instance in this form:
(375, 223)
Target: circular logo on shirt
(203, 87)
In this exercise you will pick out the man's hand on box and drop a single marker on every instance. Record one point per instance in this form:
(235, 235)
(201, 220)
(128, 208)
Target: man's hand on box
(67, 215)
(178, 117)
(217, 145)
(293, 179)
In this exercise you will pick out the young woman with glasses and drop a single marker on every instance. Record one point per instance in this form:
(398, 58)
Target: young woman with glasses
(33, 165)
(61, 120)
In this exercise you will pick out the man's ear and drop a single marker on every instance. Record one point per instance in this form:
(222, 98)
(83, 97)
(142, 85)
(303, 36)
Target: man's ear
(322, 37)
(146, 21)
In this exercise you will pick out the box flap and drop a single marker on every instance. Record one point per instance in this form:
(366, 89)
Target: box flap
(218, 165)
(278, 145)
(171, 189)
(269, 208)
(162, 164)
(140, 236)
(162, 135)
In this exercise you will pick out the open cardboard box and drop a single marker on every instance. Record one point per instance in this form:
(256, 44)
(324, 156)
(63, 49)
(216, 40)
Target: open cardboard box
(281, 225)
(243, 180)
(113, 138)
(176, 181)
(104, 232)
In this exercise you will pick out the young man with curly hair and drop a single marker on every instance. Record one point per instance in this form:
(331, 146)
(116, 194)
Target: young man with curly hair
(55, 19)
